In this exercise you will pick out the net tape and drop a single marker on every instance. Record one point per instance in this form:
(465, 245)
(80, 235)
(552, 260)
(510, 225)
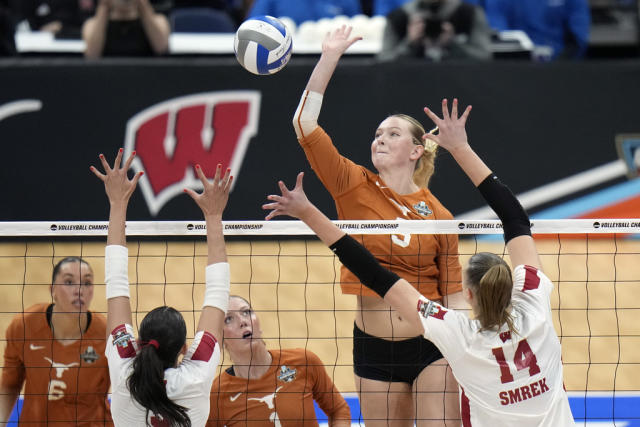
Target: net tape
(272, 228)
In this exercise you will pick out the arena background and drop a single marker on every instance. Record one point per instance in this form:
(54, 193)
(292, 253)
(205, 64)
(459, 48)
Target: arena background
(536, 124)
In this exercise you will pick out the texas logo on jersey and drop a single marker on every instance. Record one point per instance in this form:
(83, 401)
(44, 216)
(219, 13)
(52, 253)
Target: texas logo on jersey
(171, 137)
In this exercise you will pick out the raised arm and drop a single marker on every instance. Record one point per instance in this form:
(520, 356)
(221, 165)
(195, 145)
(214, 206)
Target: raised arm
(396, 291)
(156, 27)
(94, 30)
(517, 231)
(119, 188)
(212, 202)
(335, 43)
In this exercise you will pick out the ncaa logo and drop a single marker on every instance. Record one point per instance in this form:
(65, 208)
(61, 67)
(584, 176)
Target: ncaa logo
(171, 137)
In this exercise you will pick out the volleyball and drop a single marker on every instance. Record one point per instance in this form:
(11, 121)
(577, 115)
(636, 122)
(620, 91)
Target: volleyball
(263, 45)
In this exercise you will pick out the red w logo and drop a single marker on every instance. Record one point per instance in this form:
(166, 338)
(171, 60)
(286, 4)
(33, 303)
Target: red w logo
(170, 138)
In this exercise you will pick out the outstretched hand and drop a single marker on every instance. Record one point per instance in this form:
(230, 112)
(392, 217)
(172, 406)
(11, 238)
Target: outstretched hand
(117, 184)
(292, 202)
(214, 198)
(339, 40)
(452, 134)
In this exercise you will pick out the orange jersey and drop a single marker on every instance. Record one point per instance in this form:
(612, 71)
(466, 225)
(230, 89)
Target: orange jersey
(65, 384)
(429, 262)
(285, 392)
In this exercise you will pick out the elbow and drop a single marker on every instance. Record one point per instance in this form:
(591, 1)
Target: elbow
(92, 53)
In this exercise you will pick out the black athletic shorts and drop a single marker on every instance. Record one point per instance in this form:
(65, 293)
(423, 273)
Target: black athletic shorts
(391, 361)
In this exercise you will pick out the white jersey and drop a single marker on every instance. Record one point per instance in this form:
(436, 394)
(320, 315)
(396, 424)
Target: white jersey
(188, 385)
(505, 378)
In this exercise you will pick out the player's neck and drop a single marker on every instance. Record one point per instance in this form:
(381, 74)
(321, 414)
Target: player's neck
(253, 365)
(400, 182)
(68, 328)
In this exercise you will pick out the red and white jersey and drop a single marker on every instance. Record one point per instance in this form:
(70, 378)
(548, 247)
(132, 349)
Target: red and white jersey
(505, 378)
(188, 385)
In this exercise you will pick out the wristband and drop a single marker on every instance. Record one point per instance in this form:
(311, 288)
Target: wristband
(305, 119)
(116, 266)
(216, 293)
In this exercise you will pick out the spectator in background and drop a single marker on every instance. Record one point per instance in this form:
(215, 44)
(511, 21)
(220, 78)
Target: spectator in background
(436, 30)
(7, 30)
(307, 10)
(63, 18)
(561, 24)
(126, 28)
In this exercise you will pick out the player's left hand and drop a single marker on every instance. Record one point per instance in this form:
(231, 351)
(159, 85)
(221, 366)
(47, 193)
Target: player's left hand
(292, 202)
(117, 184)
(452, 134)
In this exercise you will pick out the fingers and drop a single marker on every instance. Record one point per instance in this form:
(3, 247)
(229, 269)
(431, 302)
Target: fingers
(299, 181)
(272, 215)
(97, 173)
(454, 108)
(432, 137)
(227, 179)
(118, 161)
(434, 118)
(216, 176)
(445, 110)
(465, 114)
(135, 179)
(201, 176)
(191, 193)
(283, 188)
(105, 165)
(127, 164)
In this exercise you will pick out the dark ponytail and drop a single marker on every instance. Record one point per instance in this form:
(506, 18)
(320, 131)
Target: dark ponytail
(163, 327)
(489, 277)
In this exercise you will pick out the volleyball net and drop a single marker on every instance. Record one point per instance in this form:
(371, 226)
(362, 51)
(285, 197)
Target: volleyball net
(292, 282)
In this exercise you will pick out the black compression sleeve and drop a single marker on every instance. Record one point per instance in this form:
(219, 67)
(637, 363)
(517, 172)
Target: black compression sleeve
(515, 221)
(359, 260)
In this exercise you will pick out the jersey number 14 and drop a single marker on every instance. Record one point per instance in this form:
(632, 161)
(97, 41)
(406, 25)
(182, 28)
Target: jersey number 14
(523, 359)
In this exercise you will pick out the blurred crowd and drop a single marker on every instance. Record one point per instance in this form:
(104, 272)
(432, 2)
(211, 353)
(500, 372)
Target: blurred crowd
(432, 29)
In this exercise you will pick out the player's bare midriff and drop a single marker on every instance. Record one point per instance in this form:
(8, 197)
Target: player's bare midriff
(375, 317)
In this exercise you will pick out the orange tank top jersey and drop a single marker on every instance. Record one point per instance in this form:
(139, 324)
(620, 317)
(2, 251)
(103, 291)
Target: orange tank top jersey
(429, 262)
(285, 393)
(64, 385)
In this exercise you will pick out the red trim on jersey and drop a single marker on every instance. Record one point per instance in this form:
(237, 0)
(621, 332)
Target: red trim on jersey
(531, 279)
(465, 410)
(123, 342)
(205, 347)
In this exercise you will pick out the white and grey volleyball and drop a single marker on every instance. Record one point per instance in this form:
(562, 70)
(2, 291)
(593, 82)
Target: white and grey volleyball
(263, 45)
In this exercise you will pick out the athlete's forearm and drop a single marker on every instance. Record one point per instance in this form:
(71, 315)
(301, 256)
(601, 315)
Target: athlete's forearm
(326, 230)
(117, 220)
(8, 399)
(339, 423)
(322, 73)
(471, 164)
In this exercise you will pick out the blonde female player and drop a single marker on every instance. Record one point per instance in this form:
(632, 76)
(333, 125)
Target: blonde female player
(508, 359)
(399, 376)
(270, 386)
(149, 387)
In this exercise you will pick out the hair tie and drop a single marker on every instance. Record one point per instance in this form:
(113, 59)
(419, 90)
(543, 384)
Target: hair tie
(153, 343)
(429, 145)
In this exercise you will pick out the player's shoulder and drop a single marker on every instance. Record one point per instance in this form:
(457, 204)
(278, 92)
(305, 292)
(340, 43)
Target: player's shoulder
(32, 320)
(527, 278)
